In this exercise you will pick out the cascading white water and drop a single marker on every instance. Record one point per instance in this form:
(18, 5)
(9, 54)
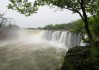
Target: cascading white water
(36, 49)
(63, 37)
(56, 36)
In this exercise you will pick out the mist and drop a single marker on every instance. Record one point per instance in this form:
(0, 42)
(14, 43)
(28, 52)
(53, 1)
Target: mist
(30, 52)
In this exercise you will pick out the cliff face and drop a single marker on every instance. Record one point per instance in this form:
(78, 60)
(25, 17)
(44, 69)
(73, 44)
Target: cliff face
(81, 58)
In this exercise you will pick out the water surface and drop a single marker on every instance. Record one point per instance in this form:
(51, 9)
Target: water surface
(30, 52)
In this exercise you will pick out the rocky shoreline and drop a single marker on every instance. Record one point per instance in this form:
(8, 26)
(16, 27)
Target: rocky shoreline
(81, 58)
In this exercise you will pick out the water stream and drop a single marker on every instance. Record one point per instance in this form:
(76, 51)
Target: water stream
(36, 50)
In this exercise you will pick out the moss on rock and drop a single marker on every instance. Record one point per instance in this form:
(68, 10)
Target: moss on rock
(80, 58)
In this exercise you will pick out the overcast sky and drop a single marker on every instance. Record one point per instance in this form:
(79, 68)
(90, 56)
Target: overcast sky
(44, 16)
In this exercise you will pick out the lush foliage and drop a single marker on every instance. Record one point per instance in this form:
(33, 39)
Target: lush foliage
(75, 26)
(77, 6)
(27, 8)
(23, 6)
(94, 27)
(78, 26)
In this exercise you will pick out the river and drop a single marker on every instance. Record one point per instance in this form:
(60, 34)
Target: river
(30, 51)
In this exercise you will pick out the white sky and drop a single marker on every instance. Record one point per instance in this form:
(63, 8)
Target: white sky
(44, 16)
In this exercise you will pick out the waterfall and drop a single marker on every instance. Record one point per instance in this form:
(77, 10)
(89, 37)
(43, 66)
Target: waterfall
(62, 37)
(56, 36)
(47, 35)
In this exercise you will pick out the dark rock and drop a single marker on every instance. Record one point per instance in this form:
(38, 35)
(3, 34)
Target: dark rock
(80, 58)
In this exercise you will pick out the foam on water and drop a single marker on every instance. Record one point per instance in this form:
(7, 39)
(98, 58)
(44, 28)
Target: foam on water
(30, 52)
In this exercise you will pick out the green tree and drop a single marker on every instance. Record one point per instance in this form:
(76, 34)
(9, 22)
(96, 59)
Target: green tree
(76, 6)
(50, 27)
(94, 9)
(94, 27)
